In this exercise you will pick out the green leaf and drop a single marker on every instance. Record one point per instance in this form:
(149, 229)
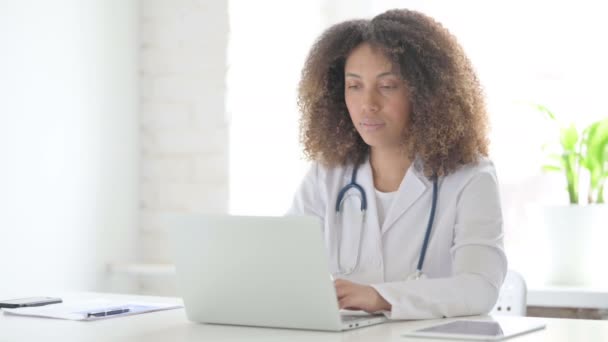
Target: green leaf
(545, 110)
(569, 138)
(597, 147)
(551, 168)
(587, 149)
(555, 156)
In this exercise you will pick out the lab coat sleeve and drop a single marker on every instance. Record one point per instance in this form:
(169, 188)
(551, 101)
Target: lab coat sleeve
(307, 200)
(479, 264)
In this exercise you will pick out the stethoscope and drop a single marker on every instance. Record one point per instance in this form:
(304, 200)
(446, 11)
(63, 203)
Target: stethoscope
(339, 203)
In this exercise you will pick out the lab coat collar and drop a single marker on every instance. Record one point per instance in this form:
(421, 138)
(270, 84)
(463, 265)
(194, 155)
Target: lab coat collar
(413, 185)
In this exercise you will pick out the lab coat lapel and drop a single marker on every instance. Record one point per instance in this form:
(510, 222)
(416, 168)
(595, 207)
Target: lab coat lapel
(411, 188)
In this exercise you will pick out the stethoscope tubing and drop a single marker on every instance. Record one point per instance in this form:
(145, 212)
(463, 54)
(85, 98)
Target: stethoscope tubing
(427, 235)
(429, 227)
(352, 184)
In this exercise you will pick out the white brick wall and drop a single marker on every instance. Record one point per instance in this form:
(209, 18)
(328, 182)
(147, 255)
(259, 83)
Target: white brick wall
(184, 131)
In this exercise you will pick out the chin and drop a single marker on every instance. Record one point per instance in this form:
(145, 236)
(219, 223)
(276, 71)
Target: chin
(374, 142)
(369, 141)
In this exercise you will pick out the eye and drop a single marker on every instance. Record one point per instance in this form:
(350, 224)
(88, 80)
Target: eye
(388, 86)
(353, 86)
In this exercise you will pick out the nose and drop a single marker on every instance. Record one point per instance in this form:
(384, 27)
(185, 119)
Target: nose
(370, 102)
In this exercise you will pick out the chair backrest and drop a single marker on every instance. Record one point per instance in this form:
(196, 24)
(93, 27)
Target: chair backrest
(512, 297)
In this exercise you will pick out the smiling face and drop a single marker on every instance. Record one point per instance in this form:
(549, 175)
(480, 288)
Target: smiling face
(376, 96)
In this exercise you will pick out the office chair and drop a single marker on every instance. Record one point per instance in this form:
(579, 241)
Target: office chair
(512, 297)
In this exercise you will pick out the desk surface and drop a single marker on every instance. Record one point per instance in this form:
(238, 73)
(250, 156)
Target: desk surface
(173, 325)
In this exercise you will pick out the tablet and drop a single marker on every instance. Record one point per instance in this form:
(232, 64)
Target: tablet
(495, 329)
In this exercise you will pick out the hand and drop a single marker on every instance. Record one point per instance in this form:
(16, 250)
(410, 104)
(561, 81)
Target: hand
(353, 296)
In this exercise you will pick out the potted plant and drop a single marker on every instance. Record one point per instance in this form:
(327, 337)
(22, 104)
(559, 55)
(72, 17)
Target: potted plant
(578, 232)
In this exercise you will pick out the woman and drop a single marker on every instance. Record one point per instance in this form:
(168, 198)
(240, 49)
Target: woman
(396, 100)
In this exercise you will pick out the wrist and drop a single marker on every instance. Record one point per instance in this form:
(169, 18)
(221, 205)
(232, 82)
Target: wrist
(382, 303)
(386, 306)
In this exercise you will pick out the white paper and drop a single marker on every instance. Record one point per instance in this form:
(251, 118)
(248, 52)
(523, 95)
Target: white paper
(79, 310)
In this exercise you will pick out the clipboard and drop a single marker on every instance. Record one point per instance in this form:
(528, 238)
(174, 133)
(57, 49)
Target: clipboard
(90, 310)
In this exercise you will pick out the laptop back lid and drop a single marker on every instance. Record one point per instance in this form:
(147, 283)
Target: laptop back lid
(256, 271)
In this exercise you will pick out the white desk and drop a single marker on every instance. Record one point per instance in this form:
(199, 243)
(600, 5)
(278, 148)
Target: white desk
(172, 325)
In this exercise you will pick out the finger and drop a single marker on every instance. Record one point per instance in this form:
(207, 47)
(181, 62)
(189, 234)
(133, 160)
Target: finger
(341, 282)
(346, 303)
(341, 293)
(343, 303)
(343, 290)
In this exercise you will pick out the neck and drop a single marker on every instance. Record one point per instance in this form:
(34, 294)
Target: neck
(389, 167)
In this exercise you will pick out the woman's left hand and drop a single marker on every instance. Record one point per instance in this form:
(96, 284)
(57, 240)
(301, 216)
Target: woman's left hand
(353, 296)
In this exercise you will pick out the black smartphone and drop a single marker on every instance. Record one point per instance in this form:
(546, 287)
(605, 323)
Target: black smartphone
(30, 301)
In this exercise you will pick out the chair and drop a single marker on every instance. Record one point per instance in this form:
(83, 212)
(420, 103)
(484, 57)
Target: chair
(512, 296)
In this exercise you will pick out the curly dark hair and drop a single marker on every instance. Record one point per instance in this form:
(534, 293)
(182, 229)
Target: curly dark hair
(448, 121)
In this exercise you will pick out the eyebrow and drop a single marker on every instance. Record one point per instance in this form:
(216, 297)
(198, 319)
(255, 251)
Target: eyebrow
(387, 73)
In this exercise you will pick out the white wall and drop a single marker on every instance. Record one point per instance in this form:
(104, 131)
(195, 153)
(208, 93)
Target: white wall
(184, 128)
(68, 143)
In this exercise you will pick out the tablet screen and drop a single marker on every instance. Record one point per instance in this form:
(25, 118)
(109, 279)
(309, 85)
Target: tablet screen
(467, 328)
(489, 330)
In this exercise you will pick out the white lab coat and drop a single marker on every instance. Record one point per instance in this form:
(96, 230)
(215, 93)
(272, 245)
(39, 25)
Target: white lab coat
(465, 263)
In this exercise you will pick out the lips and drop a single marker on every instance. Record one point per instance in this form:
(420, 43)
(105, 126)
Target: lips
(372, 126)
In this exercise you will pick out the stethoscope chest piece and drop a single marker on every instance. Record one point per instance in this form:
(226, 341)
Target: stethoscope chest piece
(417, 275)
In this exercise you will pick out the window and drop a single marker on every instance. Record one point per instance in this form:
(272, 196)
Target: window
(266, 51)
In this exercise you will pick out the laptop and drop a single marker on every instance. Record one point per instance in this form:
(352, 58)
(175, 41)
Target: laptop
(257, 271)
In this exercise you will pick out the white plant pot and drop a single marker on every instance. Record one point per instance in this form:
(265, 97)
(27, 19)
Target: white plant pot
(578, 248)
